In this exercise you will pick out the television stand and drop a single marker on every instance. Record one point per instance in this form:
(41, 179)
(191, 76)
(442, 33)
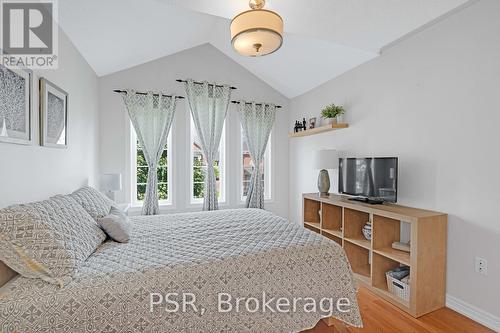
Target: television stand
(371, 201)
(342, 221)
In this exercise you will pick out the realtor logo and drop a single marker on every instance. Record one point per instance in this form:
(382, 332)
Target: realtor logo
(29, 34)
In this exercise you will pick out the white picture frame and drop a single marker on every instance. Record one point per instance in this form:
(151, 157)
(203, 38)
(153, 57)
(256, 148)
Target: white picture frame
(16, 118)
(53, 115)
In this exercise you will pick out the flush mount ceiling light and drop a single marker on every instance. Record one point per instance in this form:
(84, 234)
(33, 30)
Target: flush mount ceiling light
(258, 31)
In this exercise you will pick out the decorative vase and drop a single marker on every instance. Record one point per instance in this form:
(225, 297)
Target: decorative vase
(367, 230)
(323, 183)
(339, 119)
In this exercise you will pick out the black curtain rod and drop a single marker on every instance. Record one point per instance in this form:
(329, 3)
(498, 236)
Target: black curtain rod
(143, 93)
(179, 80)
(237, 102)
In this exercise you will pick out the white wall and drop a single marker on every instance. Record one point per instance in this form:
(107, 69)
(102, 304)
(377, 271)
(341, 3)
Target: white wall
(433, 101)
(200, 63)
(29, 173)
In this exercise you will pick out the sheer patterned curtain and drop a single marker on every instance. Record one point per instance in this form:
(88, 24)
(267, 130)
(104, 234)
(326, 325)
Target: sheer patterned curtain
(151, 115)
(257, 121)
(208, 104)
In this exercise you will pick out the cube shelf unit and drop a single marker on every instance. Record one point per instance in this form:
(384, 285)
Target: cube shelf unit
(342, 220)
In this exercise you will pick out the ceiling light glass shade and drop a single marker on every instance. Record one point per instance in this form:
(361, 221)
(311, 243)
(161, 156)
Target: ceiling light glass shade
(257, 32)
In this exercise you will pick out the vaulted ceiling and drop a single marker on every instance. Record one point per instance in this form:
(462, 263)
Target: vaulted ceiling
(323, 38)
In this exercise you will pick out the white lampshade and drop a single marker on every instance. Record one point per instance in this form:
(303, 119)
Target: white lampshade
(257, 32)
(326, 159)
(111, 182)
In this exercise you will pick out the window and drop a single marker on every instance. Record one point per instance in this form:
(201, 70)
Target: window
(199, 167)
(246, 169)
(140, 172)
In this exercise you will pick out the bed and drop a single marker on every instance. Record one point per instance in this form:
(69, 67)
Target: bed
(246, 254)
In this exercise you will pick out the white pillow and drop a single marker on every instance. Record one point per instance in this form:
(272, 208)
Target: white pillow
(116, 225)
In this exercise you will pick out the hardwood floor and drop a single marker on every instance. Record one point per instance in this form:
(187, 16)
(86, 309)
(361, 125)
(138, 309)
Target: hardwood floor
(381, 316)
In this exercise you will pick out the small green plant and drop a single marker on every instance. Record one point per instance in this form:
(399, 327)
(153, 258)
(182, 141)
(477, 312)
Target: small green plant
(332, 111)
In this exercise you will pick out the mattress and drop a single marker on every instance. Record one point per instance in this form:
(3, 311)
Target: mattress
(217, 269)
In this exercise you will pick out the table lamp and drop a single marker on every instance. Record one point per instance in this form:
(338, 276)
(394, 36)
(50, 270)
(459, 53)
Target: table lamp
(324, 160)
(110, 183)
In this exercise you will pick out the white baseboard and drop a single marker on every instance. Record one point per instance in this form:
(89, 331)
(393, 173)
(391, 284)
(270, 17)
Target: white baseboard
(472, 312)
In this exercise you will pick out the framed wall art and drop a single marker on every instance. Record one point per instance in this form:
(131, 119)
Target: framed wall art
(53, 115)
(15, 105)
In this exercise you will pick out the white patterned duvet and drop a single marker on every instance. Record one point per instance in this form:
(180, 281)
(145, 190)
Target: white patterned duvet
(212, 259)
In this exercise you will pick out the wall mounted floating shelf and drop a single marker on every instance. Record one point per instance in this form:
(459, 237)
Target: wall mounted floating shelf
(321, 129)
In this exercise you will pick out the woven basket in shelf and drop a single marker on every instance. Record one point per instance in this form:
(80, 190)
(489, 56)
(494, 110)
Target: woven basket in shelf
(398, 288)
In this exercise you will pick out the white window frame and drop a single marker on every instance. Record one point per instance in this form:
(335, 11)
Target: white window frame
(268, 169)
(222, 166)
(133, 172)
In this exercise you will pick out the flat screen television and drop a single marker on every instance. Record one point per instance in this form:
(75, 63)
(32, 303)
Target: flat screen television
(371, 179)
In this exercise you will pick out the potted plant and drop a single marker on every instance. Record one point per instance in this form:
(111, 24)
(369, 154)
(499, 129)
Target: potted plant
(340, 114)
(333, 113)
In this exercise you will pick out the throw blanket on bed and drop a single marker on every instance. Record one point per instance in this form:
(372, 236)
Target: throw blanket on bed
(241, 253)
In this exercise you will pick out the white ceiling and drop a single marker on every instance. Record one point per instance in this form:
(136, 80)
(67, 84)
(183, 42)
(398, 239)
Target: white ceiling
(323, 38)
